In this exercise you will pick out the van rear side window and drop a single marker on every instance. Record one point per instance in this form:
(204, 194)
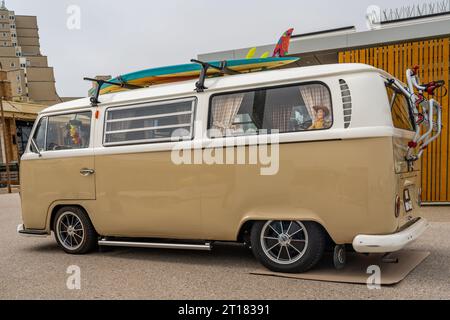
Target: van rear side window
(285, 109)
(401, 113)
(150, 123)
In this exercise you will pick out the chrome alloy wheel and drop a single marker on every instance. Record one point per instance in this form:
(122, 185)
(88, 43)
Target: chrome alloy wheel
(284, 242)
(70, 231)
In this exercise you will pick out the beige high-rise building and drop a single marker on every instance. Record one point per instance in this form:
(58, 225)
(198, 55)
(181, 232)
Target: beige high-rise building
(32, 80)
(27, 85)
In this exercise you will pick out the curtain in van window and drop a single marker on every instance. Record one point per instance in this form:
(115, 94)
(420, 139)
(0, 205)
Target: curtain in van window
(225, 110)
(315, 95)
(280, 118)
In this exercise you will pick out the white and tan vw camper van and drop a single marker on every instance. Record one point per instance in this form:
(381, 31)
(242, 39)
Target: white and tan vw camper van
(287, 161)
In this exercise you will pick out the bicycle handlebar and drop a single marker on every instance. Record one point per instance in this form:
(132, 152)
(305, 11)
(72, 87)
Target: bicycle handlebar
(431, 87)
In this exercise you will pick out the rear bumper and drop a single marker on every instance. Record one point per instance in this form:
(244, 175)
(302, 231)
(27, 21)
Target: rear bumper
(22, 231)
(392, 242)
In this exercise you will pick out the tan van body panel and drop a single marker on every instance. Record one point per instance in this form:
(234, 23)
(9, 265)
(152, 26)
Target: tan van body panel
(44, 188)
(343, 185)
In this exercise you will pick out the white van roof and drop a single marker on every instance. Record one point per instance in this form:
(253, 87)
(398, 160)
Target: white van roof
(187, 88)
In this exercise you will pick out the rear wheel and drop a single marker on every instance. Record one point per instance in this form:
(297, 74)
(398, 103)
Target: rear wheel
(74, 231)
(288, 246)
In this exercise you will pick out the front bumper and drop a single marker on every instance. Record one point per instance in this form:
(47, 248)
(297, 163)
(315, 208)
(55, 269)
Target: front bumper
(22, 231)
(392, 242)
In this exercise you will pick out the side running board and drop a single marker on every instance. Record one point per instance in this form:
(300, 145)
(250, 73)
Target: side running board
(155, 245)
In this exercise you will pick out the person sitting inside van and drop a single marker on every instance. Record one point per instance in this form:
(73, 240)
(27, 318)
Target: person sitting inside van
(321, 121)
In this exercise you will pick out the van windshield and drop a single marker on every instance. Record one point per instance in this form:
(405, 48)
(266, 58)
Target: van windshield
(401, 113)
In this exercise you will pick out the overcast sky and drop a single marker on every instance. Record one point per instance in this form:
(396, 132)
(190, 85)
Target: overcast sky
(117, 37)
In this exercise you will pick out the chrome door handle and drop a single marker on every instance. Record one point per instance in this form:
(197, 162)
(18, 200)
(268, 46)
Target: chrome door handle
(87, 172)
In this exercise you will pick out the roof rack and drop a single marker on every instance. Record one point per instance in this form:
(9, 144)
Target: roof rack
(123, 84)
(223, 69)
(220, 68)
(200, 85)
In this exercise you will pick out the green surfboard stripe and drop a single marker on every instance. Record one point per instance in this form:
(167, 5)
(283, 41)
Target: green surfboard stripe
(191, 67)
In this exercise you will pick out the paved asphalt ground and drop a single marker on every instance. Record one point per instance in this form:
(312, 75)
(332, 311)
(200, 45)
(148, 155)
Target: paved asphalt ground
(36, 269)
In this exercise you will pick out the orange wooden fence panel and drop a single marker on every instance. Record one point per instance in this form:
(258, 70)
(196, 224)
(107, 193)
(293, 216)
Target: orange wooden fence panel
(433, 58)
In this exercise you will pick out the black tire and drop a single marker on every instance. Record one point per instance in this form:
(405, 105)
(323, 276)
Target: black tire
(339, 257)
(308, 256)
(66, 223)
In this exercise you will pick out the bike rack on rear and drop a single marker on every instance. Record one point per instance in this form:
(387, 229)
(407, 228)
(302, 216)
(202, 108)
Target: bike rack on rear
(427, 113)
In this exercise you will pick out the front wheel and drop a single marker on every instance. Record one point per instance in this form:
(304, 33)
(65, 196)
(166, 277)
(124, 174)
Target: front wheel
(288, 246)
(74, 231)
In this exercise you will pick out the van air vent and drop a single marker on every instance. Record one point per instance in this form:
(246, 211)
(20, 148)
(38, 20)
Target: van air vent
(347, 103)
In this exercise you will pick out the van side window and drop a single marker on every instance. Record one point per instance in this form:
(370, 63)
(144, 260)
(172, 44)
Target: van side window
(401, 113)
(39, 135)
(69, 131)
(150, 123)
(287, 109)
